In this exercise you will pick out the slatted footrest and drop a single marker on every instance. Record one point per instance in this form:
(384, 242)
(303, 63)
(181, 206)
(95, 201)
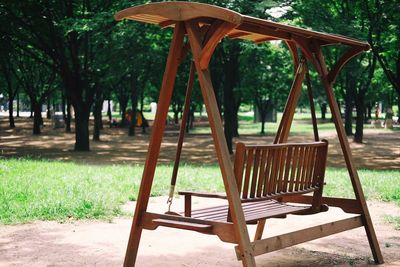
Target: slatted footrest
(183, 225)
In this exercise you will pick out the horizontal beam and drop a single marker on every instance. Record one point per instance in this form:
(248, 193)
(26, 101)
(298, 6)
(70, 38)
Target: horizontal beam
(347, 205)
(224, 230)
(290, 239)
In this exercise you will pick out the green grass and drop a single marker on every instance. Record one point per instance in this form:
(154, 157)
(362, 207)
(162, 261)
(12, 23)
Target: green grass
(395, 220)
(47, 190)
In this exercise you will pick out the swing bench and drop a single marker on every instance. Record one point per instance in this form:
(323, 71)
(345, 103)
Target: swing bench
(264, 181)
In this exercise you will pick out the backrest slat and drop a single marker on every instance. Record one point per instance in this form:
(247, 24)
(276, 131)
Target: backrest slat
(271, 171)
(267, 172)
(274, 172)
(305, 168)
(249, 164)
(287, 169)
(293, 168)
(261, 177)
(299, 169)
(255, 173)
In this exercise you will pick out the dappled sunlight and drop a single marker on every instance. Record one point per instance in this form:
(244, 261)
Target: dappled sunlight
(380, 150)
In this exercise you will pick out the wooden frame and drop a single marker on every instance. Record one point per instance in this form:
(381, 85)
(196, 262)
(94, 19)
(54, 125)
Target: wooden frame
(205, 26)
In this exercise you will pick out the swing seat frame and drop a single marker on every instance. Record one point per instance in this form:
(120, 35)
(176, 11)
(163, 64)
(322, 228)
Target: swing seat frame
(251, 198)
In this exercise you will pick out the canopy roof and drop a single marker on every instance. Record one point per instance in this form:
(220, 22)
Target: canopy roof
(247, 28)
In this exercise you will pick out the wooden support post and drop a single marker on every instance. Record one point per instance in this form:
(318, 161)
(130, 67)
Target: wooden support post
(287, 117)
(221, 148)
(155, 142)
(290, 239)
(344, 143)
(312, 106)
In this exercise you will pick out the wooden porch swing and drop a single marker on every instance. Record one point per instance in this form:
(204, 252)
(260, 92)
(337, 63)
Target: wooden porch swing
(265, 181)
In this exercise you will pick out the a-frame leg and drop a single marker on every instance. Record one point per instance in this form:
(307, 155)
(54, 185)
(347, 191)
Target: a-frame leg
(221, 148)
(155, 142)
(355, 180)
(259, 230)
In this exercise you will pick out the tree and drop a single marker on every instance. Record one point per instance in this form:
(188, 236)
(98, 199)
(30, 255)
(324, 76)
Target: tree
(8, 72)
(69, 33)
(38, 83)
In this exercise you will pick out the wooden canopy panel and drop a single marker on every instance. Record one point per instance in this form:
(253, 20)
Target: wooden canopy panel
(247, 28)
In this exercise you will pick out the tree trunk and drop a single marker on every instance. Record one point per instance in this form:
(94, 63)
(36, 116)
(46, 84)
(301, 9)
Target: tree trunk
(68, 118)
(10, 113)
(176, 115)
(348, 120)
(360, 107)
(82, 113)
(398, 109)
(109, 112)
(31, 115)
(123, 104)
(97, 119)
(134, 99)
(323, 110)
(48, 113)
(369, 111)
(37, 117)
(18, 104)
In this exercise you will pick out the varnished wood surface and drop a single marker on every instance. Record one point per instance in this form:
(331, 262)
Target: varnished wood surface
(247, 28)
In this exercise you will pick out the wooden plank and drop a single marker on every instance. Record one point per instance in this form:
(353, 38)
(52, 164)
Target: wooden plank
(249, 165)
(261, 177)
(344, 143)
(290, 239)
(218, 30)
(202, 228)
(224, 230)
(155, 143)
(240, 154)
(268, 173)
(287, 169)
(293, 168)
(235, 207)
(181, 11)
(290, 107)
(255, 173)
(347, 205)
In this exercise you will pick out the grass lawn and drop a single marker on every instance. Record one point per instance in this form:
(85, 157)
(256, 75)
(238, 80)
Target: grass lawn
(46, 190)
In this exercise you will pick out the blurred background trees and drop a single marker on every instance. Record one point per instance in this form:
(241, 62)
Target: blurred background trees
(73, 53)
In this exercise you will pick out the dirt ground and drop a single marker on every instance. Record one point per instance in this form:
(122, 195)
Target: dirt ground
(97, 243)
(94, 243)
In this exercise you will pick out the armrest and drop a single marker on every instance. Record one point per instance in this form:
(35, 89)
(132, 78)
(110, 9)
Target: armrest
(202, 194)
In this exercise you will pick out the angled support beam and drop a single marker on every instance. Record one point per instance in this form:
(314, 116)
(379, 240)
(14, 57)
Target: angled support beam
(155, 142)
(294, 53)
(240, 228)
(290, 107)
(215, 34)
(342, 61)
(344, 143)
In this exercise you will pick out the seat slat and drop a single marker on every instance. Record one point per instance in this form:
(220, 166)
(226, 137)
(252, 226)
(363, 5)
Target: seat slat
(183, 225)
(267, 174)
(252, 211)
